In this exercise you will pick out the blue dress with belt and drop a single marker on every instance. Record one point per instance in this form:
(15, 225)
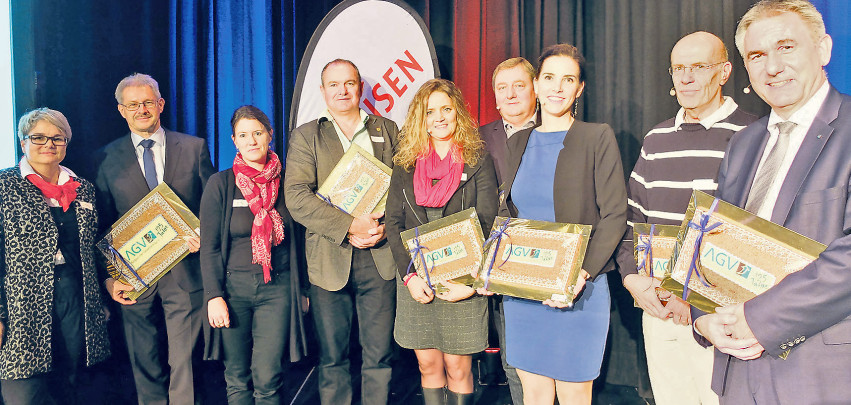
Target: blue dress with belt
(563, 344)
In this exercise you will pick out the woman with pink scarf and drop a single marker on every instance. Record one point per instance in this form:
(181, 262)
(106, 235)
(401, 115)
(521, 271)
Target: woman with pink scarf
(441, 168)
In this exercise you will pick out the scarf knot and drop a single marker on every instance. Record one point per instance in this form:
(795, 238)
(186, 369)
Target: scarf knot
(65, 193)
(260, 189)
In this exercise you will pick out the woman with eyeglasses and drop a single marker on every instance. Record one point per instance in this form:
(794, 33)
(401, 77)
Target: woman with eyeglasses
(249, 264)
(441, 168)
(565, 171)
(52, 322)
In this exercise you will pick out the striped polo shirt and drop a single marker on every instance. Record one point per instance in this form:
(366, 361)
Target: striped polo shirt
(676, 158)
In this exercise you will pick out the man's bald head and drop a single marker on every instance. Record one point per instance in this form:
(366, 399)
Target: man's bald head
(699, 67)
(703, 39)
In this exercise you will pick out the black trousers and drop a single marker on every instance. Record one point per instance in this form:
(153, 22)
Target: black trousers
(254, 344)
(373, 300)
(158, 381)
(67, 344)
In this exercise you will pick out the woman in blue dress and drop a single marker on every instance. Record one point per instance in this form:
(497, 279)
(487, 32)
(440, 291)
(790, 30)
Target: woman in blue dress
(564, 171)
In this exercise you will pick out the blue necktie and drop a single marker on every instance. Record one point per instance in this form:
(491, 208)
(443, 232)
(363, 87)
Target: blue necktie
(148, 163)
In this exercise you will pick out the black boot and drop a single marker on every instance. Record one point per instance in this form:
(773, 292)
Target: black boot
(434, 396)
(454, 398)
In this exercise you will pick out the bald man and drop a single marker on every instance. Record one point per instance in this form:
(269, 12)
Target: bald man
(678, 155)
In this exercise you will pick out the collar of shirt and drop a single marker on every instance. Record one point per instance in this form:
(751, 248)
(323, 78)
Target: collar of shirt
(803, 118)
(65, 175)
(158, 137)
(361, 136)
(727, 108)
(511, 129)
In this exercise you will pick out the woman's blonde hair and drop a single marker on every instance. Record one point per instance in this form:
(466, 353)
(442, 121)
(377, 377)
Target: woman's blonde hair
(414, 140)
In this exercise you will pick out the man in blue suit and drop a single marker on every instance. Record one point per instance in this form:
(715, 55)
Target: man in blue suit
(790, 344)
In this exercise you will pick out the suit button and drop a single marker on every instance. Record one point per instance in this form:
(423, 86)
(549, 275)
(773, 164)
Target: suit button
(803, 338)
(783, 346)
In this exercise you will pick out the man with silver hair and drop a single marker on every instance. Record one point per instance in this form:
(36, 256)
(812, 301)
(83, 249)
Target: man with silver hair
(792, 343)
(128, 169)
(679, 155)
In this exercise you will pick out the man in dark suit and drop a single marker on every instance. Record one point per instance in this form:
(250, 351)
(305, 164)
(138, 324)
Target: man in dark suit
(517, 105)
(349, 263)
(516, 102)
(791, 344)
(129, 168)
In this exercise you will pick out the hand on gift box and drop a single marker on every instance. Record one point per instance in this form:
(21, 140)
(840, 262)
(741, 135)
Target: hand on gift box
(580, 285)
(455, 291)
(643, 289)
(729, 333)
(374, 235)
(419, 289)
(118, 291)
(484, 291)
(680, 311)
(193, 243)
(362, 225)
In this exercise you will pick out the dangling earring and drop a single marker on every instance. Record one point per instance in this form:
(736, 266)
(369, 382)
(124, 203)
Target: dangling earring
(575, 107)
(747, 89)
(673, 92)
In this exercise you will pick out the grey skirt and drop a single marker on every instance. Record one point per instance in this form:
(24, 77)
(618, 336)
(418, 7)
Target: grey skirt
(451, 327)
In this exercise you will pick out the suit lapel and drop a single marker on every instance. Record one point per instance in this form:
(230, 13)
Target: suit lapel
(127, 159)
(330, 142)
(381, 147)
(516, 146)
(172, 153)
(814, 141)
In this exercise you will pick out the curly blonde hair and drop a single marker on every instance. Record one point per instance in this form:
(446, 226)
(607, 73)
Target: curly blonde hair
(414, 141)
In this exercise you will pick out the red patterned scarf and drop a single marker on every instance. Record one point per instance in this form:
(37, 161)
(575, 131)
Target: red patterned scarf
(65, 193)
(260, 189)
(447, 172)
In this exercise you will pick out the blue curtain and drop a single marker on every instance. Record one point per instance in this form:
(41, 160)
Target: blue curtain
(835, 14)
(220, 58)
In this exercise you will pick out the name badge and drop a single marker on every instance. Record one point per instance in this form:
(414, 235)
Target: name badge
(463, 176)
(86, 205)
(377, 139)
(240, 202)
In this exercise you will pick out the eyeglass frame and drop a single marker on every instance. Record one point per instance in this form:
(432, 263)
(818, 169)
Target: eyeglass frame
(53, 139)
(694, 69)
(154, 103)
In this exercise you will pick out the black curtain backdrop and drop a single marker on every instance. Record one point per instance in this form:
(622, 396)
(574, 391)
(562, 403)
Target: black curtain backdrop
(211, 56)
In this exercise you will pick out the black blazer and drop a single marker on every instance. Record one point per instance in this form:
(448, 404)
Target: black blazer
(402, 212)
(121, 184)
(589, 189)
(496, 141)
(216, 212)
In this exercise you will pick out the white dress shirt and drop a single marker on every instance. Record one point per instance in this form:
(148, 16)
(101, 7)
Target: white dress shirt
(158, 149)
(803, 118)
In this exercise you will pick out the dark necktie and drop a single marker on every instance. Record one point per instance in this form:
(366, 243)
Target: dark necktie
(767, 175)
(148, 163)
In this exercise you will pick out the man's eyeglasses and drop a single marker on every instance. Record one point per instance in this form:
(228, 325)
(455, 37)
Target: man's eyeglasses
(695, 69)
(42, 140)
(149, 104)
